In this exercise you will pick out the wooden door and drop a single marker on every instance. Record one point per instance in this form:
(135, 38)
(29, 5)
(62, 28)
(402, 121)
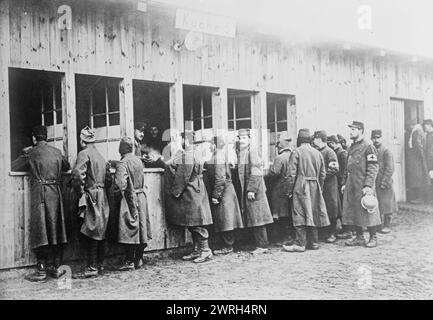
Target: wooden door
(397, 146)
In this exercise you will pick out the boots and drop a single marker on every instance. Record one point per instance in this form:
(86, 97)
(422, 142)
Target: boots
(386, 224)
(357, 241)
(372, 243)
(39, 275)
(194, 254)
(205, 252)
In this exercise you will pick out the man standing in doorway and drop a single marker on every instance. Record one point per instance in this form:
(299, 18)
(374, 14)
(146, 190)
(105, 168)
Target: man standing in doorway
(47, 220)
(360, 180)
(251, 191)
(89, 177)
(384, 183)
(428, 128)
(140, 130)
(330, 186)
(306, 177)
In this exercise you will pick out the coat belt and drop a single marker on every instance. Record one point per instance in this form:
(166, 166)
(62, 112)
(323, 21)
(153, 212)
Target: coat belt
(310, 178)
(47, 182)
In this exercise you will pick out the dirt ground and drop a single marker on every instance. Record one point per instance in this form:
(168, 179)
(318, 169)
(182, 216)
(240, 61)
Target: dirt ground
(401, 267)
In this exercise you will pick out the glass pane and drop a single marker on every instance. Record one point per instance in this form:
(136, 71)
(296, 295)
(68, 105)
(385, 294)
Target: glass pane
(48, 97)
(49, 118)
(243, 124)
(197, 124)
(98, 100)
(271, 127)
(113, 98)
(231, 125)
(58, 98)
(270, 112)
(282, 110)
(59, 115)
(114, 119)
(208, 123)
(282, 126)
(207, 104)
(243, 107)
(99, 121)
(196, 102)
(230, 108)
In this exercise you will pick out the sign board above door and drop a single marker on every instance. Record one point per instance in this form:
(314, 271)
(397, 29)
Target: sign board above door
(205, 23)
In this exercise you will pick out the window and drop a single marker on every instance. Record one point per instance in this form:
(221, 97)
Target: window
(239, 111)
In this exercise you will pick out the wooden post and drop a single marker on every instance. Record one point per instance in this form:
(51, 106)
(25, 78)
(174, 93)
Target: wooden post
(7, 256)
(260, 125)
(220, 111)
(292, 119)
(69, 116)
(176, 114)
(126, 105)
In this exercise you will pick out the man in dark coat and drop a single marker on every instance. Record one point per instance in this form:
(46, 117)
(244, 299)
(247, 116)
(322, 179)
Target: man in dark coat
(418, 181)
(279, 200)
(334, 144)
(342, 141)
(384, 187)
(306, 177)
(47, 220)
(330, 186)
(225, 208)
(428, 129)
(186, 199)
(89, 177)
(251, 191)
(360, 180)
(140, 136)
(134, 222)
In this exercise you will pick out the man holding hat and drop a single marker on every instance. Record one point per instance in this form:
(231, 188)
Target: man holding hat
(251, 191)
(360, 180)
(278, 176)
(330, 186)
(47, 220)
(134, 229)
(384, 183)
(186, 198)
(307, 174)
(89, 177)
(226, 213)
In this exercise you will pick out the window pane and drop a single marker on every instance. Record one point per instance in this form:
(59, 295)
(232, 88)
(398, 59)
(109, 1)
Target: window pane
(207, 123)
(58, 98)
(48, 118)
(243, 107)
(99, 121)
(113, 98)
(270, 112)
(230, 108)
(98, 100)
(59, 116)
(271, 126)
(207, 104)
(48, 97)
(282, 110)
(282, 126)
(196, 102)
(114, 119)
(197, 124)
(231, 125)
(243, 124)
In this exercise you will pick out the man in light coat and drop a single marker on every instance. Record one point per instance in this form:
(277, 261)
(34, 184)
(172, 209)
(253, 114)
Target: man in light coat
(306, 177)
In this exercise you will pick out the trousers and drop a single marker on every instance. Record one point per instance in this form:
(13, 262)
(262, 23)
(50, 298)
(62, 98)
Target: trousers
(134, 252)
(95, 251)
(50, 254)
(260, 236)
(306, 235)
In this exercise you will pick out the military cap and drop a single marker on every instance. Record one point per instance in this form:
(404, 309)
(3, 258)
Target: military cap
(284, 136)
(333, 139)
(357, 124)
(125, 145)
(140, 125)
(39, 131)
(243, 132)
(428, 122)
(321, 134)
(87, 134)
(376, 133)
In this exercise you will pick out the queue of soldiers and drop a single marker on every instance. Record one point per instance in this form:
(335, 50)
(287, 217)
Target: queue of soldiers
(315, 187)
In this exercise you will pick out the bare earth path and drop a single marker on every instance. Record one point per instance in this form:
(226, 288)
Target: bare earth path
(400, 268)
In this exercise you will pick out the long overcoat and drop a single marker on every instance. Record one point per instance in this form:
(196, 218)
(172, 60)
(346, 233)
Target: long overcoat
(306, 177)
(278, 174)
(342, 163)
(417, 173)
(330, 186)
(249, 178)
(226, 214)
(429, 150)
(89, 177)
(47, 219)
(361, 171)
(185, 195)
(134, 225)
(384, 182)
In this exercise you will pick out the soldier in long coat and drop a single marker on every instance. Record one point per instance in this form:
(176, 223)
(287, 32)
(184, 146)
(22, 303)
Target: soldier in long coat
(360, 180)
(384, 183)
(186, 198)
(134, 229)
(418, 182)
(330, 186)
(47, 220)
(251, 191)
(307, 174)
(334, 144)
(279, 199)
(226, 213)
(428, 128)
(89, 177)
